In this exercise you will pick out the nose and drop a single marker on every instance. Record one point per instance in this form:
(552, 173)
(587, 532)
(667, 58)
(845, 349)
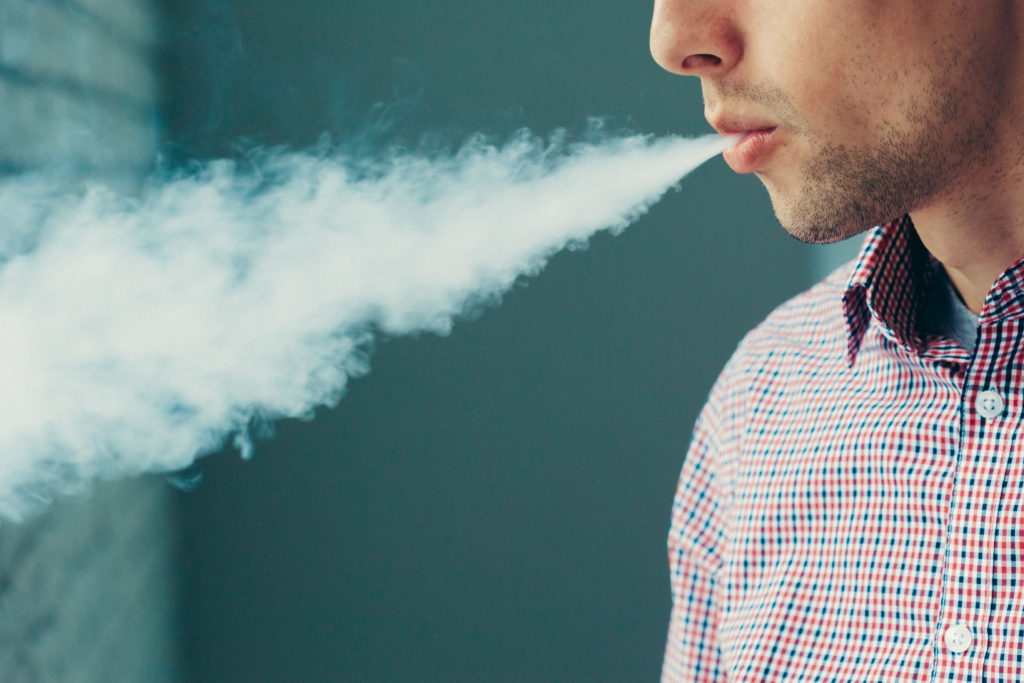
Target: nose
(695, 37)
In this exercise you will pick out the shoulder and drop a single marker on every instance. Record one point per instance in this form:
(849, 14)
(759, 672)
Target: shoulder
(802, 335)
(812, 320)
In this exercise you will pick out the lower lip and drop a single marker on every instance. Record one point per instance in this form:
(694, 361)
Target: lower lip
(750, 153)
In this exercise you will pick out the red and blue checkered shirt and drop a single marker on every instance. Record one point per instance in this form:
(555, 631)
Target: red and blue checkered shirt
(851, 505)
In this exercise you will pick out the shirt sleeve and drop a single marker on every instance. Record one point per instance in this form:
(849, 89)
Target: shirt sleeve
(698, 526)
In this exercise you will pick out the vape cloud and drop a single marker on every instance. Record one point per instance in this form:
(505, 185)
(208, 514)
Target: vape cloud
(139, 333)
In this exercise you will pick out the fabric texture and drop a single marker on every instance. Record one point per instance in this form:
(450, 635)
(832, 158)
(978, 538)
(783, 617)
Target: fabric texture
(850, 508)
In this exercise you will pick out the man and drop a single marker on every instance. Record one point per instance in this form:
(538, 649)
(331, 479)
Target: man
(852, 504)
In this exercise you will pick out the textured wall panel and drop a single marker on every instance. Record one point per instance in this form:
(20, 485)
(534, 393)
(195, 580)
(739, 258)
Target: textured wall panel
(86, 591)
(77, 90)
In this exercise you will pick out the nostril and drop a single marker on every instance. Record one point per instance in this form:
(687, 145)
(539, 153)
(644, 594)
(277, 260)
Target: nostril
(701, 61)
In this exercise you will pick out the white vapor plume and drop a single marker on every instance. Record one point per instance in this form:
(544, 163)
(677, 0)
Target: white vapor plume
(138, 333)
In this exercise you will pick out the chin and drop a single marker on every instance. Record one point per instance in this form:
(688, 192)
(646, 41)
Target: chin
(818, 218)
(820, 231)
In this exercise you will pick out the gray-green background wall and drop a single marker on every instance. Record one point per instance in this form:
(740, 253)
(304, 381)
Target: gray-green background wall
(492, 505)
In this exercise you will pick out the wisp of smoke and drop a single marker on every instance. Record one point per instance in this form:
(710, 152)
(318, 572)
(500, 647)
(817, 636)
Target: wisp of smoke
(139, 333)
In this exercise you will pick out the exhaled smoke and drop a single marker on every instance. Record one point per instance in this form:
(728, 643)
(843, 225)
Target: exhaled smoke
(137, 334)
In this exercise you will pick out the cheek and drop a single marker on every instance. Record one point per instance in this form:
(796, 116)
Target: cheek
(842, 80)
(847, 101)
(843, 72)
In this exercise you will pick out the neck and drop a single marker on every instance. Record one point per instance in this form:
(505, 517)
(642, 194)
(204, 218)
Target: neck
(978, 233)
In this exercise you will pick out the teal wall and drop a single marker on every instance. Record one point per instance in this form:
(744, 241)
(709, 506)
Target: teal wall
(492, 505)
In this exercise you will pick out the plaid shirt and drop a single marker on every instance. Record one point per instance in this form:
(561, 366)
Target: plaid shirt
(852, 504)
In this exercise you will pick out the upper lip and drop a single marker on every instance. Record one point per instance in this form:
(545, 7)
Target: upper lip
(731, 126)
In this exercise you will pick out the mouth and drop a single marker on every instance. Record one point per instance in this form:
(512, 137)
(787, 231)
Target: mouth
(753, 149)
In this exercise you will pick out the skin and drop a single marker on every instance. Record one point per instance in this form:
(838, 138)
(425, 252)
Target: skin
(882, 107)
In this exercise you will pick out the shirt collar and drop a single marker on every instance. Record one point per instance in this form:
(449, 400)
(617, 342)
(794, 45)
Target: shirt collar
(1006, 298)
(890, 283)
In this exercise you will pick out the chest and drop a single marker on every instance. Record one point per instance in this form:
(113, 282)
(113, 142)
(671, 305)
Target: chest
(875, 509)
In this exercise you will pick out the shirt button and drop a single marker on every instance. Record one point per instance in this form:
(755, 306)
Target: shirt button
(989, 403)
(958, 638)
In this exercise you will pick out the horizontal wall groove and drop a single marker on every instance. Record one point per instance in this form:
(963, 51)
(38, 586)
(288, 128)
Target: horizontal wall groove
(79, 12)
(143, 111)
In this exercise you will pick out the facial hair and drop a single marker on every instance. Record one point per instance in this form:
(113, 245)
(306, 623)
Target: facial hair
(844, 191)
(847, 191)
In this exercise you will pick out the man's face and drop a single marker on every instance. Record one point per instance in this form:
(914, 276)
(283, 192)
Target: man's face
(868, 109)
